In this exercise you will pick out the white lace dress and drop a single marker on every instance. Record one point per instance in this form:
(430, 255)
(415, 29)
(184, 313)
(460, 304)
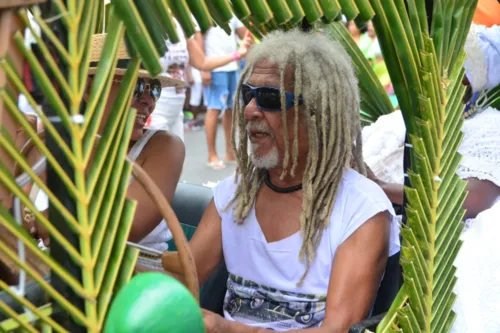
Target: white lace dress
(383, 144)
(478, 272)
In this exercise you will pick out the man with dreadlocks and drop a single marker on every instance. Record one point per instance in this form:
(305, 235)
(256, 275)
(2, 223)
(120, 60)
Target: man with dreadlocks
(305, 238)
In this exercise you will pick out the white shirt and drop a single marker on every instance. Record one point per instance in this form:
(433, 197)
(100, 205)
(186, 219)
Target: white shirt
(218, 43)
(177, 55)
(478, 272)
(263, 277)
(158, 238)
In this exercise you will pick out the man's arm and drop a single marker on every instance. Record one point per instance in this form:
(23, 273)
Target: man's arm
(358, 267)
(206, 247)
(393, 191)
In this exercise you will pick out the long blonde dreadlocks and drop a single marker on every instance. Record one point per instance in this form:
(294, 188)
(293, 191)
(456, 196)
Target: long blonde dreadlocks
(324, 77)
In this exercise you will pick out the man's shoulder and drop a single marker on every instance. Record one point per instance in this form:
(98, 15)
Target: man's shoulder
(354, 182)
(224, 192)
(227, 185)
(359, 199)
(358, 193)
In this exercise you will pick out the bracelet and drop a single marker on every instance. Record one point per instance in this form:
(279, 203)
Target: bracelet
(236, 56)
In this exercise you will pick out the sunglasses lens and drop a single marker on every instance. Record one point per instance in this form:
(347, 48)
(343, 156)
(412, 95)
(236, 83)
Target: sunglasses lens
(246, 94)
(269, 98)
(139, 87)
(155, 87)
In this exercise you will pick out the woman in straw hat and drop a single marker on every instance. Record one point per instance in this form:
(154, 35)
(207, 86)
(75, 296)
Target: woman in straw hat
(159, 153)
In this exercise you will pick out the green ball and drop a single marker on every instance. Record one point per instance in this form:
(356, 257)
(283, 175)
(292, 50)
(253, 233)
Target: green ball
(154, 303)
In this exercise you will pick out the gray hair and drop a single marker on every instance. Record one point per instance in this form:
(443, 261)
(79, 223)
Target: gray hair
(324, 77)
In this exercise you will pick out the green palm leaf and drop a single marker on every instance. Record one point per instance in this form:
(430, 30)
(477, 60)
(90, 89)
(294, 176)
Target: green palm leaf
(493, 97)
(374, 99)
(430, 92)
(102, 216)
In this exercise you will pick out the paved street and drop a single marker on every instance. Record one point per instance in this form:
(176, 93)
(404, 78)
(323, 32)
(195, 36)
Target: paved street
(195, 169)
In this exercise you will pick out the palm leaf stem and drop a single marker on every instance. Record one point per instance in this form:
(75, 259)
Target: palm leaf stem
(11, 185)
(23, 322)
(120, 149)
(11, 149)
(65, 16)
(392, 58)
(55, 294)
(123, 101)
(47, 31)
(96, 106)
(12, 107)
(43, 313)
(86, 22)
(44, 257)
(51, 63)
(368, 82)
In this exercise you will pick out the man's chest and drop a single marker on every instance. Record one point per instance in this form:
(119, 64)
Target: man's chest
(278, 215)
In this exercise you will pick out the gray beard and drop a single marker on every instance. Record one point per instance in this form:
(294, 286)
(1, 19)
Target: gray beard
(268, 161)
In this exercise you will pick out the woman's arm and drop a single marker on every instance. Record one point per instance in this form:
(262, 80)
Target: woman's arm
(393, 191)
(206, 76)
(480, 197)
(163, 159)
(198, 60)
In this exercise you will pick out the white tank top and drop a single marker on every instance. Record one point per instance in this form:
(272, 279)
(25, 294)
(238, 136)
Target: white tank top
(158, 238)
(262, 285)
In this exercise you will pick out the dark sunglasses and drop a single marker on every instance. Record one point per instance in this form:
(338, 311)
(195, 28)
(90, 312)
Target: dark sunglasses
(267, 98)
(154, 88)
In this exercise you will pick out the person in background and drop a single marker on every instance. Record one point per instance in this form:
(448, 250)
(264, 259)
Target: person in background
(195, 99)
(168, 114)
(374, 54)
(481, 144)
(220, 94)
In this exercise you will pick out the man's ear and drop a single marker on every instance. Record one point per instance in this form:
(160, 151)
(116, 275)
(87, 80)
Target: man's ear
(88, 85)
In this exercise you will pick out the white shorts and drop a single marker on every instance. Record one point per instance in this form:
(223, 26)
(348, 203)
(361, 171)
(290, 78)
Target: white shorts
(196, 94)
(169, 118)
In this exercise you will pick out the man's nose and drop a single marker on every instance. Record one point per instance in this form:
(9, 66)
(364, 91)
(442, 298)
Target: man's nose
(252, 111)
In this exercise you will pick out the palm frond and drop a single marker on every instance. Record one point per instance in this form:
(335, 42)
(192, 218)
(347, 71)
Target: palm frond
(430, 94)
(99, 216)
(374, 99)
(492, 98)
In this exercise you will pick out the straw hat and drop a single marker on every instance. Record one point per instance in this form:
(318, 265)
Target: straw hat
(123, 57)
